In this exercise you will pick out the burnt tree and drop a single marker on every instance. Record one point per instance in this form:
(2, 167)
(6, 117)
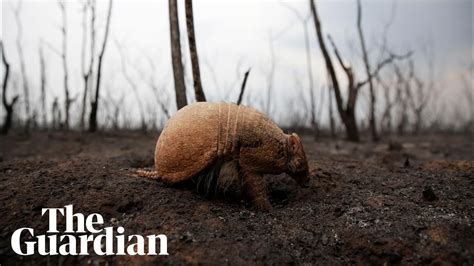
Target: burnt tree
(95, 102)
(25, 84)
(372, 119)
(7, 123)
(87, 72)
(43, 84)
(242, 88)
(178, 72)
(67, 99)
(401, 100)
(56, 114)
(347, 113)
(419, 97)
(386, 119)
(198, 91)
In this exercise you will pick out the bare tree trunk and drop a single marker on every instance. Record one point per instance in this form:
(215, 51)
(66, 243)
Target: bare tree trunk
(349, 123)
(401, 100)
(401, 127)
(423, 94)
(87, 73)
(19, 45)
(56, 114)
(352, 90)
(198, 91)
(468, 94)
(242, 88)
(327, 59)
(85, 77)
(43, 85)
(386, 121)
(332, 125)
(372, 120)
(67, 100)
(178, 72)
(95, 102)
(8, 106)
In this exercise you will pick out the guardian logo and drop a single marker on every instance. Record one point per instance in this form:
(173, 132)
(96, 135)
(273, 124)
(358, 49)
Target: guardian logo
(75, 239)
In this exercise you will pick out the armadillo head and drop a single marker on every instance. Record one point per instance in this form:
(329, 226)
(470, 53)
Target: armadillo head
(297, 166)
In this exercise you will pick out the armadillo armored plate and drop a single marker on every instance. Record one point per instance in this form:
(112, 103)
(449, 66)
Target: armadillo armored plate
(200, 133)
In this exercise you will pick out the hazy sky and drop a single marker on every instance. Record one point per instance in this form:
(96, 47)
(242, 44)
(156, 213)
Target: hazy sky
(233, 36)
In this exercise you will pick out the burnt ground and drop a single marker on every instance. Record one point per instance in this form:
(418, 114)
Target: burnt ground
(409, 201)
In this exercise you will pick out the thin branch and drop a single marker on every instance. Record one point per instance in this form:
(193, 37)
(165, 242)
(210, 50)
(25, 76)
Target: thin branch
(67, 100)
(242, 88)
(382, 64)
(19, 40)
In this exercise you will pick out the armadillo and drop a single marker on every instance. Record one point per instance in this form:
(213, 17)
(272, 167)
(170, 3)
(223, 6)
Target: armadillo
(228, 141)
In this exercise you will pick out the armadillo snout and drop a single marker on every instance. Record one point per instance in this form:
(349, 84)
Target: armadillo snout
(301, 178)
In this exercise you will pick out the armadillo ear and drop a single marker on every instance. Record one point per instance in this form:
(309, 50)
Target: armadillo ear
(293, 140)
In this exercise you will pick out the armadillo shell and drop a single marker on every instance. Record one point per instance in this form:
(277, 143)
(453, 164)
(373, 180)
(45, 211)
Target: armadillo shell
(200, 133)
(187, 143)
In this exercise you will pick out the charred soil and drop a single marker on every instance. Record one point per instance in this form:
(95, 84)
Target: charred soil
(407, 200)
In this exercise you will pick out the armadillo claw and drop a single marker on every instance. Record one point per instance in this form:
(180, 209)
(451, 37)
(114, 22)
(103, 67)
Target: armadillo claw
(263, 205)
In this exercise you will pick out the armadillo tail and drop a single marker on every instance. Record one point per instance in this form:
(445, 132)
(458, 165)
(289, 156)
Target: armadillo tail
(148, 174)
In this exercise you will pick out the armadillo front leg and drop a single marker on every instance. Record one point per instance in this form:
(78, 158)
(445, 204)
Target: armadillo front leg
(255, 188)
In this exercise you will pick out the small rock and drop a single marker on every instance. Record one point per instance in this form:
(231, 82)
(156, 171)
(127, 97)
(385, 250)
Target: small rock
(429, 195)
(338, 212)
(407, 162)
(215, 209)
(324, 239)
(187, 237)
(244, 215)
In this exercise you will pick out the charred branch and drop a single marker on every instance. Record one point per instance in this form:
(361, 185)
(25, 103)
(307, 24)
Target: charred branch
(95, 102)
(43, 84)
(87, 71)
(67, 100)
(19, 45)
(9, 106)
(242, 88)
